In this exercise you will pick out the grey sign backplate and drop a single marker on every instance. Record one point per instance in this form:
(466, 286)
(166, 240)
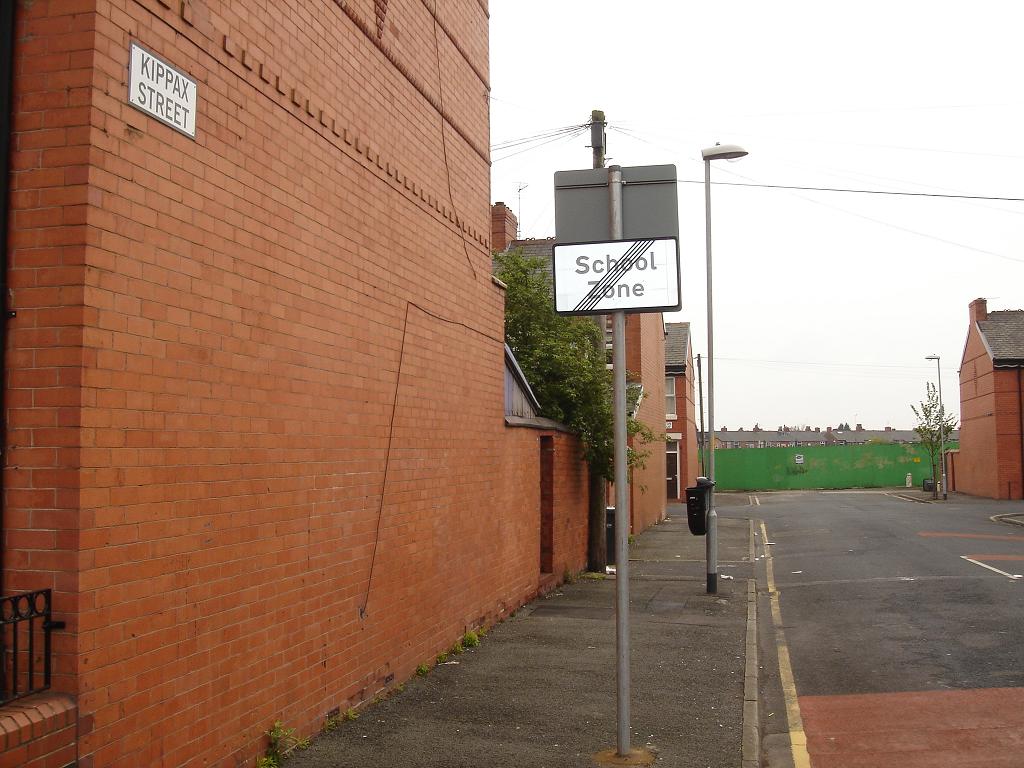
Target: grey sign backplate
(650, 204)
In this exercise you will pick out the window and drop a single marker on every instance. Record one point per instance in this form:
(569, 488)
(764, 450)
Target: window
(670, 396)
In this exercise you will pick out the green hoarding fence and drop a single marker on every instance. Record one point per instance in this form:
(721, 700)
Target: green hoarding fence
(829, 466)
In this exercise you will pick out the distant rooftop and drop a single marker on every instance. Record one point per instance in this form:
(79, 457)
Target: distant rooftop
(828, 436)
(677, 345)
(1003, 332)
(544, 246)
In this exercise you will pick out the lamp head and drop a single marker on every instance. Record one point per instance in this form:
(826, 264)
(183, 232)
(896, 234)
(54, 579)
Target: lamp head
(723, 152)
(933, 357)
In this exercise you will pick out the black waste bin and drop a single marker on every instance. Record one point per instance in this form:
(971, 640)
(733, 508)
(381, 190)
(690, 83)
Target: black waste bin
(609, 533)
(928, 484)
(697, 503)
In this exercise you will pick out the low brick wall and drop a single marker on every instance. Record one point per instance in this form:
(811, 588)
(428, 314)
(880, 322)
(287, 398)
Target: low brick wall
(39, 732)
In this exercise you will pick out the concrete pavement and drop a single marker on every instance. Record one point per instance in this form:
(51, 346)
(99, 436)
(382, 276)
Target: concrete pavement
(540, 689)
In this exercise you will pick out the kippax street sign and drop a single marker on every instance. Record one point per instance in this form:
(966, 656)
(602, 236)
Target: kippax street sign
(617, 275)
(161, 90)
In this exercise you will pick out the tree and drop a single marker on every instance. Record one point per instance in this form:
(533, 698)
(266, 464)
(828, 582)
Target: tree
(934, 427)
(565, 361)
(563, 358)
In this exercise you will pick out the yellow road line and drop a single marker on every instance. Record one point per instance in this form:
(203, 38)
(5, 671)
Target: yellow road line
(797, 737)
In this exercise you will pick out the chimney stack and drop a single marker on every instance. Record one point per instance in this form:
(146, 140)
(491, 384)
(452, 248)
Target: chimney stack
(979, 310)
(503, 227)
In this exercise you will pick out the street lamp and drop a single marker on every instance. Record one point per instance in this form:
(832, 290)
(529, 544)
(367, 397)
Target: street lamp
(942, 426)
(717, 152)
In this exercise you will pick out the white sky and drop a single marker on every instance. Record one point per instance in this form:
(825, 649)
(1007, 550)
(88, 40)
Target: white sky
(825, 303)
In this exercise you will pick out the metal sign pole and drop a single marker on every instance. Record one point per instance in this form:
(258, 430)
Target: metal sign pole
(621, 485)
(636, 270)
(711, 543)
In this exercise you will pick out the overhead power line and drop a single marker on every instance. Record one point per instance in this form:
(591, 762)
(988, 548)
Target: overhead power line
(889, 224)
(840, 363)
(953, 196)
(554, 132)
(563, 136)
(860, 191)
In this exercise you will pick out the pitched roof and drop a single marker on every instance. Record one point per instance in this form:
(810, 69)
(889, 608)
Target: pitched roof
(543, 247)
(1003, 333)
(512, 366)
(677, 344)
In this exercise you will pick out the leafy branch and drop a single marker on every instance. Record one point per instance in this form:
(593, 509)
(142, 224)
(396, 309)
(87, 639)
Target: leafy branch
(564, 360)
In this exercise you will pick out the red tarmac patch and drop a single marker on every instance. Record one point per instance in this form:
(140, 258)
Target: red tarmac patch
(982, 728)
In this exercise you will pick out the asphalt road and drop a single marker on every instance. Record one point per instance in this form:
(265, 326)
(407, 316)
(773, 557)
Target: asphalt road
(903, 628)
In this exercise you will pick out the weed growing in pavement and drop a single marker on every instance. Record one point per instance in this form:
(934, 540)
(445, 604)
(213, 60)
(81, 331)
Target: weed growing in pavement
(457, 648)
(442, 657)
(350, 715)
(470, 640)
(331, 723)
(422, 670)
(283, 742)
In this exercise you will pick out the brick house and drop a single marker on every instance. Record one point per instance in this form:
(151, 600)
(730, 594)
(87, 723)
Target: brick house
(645, 367)
(253, 386)
(990, 461)
(682, 457)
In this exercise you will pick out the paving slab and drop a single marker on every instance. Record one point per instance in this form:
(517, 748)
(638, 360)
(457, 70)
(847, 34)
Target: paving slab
(540, 689)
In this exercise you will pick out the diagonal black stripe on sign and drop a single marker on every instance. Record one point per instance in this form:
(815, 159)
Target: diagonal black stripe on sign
(622, 265)
(629, 260)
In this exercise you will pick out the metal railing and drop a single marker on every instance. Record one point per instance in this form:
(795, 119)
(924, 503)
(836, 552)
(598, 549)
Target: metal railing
(25, 653)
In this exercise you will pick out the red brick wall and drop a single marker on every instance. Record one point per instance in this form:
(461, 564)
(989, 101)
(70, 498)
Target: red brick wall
(689, 427)
(1009, 401)
(570, 513)
(989, 461)
(38, 732)
(517, 483)
(645, 361)
(53, 336)
(255, 398)
(976, 462)
(685, 425)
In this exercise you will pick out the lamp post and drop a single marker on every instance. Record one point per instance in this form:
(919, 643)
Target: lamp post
(717, 152)
(942, 426)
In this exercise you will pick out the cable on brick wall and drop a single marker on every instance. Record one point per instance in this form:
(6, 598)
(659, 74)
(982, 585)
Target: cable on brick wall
(409, 305)
(444, 141)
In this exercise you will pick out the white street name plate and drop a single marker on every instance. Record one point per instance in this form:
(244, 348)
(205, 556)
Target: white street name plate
(163, 91)
(617, 275)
